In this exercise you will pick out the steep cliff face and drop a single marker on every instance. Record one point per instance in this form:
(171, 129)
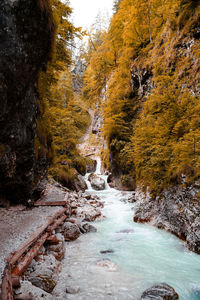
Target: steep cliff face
(26, 33)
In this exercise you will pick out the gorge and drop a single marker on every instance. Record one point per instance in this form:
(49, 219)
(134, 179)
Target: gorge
(124, 108)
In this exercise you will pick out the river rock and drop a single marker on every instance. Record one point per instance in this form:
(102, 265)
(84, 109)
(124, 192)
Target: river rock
(89, 228)
(107, 264)
(97, 182)
(32, 292)
(160, 292)
(44, 273)
(70, 231)
(73, 290)
(88, 213)
(107, 251)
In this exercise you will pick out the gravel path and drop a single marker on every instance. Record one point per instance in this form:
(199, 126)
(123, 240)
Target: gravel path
(16, 226)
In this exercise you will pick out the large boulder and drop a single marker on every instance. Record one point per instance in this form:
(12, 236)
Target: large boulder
(88, 213)
(160, 292)
(97, 182)
(44, 272)
(26, 34)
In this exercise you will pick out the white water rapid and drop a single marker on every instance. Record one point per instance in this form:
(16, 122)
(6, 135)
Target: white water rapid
(141, 256)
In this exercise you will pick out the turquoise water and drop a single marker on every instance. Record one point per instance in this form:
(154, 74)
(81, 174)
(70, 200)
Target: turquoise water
(143, 256)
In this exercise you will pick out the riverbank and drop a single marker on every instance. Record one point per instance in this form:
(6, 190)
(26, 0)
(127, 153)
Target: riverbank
(23, 228)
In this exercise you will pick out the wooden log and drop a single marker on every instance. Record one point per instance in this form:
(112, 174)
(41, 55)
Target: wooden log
(52, 203)
(20, 268)
(22, 265)
(12, 259)
(57, 223)
(6, 287)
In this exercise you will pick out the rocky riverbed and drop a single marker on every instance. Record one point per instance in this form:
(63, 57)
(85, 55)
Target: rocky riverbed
(41, 277)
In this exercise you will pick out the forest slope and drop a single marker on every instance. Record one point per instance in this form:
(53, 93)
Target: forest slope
(149, 63)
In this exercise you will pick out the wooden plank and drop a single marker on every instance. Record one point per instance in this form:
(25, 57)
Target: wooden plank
(20, 268)
(6, 287)
(22, 265)
(57, 223)
(19, 252)
(52, 203)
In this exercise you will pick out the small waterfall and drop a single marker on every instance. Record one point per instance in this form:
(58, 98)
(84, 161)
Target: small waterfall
(98, 168)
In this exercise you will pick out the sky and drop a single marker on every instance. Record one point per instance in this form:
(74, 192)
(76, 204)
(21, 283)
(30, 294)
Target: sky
(85, 11)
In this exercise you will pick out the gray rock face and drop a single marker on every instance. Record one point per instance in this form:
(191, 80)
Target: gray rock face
(141, 81)
(26, 31)
(177, 210)
(97, 182)
(160, 292)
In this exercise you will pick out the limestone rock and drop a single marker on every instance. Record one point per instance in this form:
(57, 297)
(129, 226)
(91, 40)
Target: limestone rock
(35, 292)
(73, 290)
(160, 292)
(71, 231)
(97, 182)
(44, 273)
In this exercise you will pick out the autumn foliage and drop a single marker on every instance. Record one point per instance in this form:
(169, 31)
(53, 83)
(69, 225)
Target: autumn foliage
(147, 66)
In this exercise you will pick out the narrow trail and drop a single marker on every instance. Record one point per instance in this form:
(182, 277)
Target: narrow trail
(124, 258)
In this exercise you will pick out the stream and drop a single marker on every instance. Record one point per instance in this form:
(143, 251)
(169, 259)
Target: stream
(141, 256)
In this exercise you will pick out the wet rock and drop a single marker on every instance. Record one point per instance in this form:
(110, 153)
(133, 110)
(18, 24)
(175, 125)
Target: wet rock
(73, 290)
(70, 231)
(26, 34)
(36, 293)
(107, 264)
(97, 182)
(89, 228)
(160, 292)
(107, 251)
